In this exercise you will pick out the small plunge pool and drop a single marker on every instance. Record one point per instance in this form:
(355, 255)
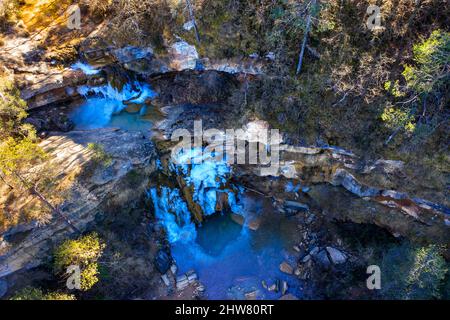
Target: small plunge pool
(232, 260)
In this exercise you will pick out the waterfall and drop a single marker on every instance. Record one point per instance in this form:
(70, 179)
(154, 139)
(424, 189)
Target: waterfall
(135, 92)
(131, 93)
(86, 68)
(171, 210)
(206, 178)
(102, 102)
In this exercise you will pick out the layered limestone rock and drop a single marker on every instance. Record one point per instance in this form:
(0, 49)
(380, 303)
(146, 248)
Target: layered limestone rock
(330, 178)
(179, 56)
(97, 189)
(333, 180)
(56, 88)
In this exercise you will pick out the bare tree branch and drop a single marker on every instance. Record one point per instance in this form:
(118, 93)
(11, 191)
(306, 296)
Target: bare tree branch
(305, 38)
(192, 17)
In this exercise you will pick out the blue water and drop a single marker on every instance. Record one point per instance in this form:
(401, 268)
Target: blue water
(87, 69)
(230, 259)
(104, 106)
(101, 112)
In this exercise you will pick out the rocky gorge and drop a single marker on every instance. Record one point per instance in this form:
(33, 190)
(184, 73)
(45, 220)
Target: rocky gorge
(214, 229)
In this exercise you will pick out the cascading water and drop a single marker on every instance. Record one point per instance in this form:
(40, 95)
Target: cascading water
(206, 175)
(231, 254)
(230, 258)
(86, 68)
(171, 210)
(104, 105)
(206, 178)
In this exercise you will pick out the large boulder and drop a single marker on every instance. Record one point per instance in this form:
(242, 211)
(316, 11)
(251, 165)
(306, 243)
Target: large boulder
(95, 190)
(162, 261)
(183, 56)
(129, 54)
(55, 88)
(336, 256)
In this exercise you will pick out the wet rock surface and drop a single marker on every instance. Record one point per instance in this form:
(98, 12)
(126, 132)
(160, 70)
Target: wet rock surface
(162, 261)
(324, 169)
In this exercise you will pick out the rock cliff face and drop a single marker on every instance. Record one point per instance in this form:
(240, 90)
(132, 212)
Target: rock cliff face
(333, 180)
(181, 67)
(180, 56)
(98, 189)
(337, 183)
(57, 88)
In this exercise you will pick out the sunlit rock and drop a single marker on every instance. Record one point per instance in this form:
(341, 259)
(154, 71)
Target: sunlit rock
(89, 194)
(349, 182)
(130, 53)
(183, 56)
(189, 25)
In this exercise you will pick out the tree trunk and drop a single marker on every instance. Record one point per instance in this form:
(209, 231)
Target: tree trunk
(192, 17)
(32, 189)
(392, 136)
(54, 209)
(305, 38)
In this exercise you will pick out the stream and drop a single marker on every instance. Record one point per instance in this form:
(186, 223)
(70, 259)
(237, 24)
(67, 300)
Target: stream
(238, 249)
(232, 260)
(107, 107)
(235, 249)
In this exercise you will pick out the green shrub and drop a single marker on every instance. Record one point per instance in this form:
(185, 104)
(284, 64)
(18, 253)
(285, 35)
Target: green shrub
(410, 272)
(393, 88)
(30, 293)
(12, 109)
(424, 89)
(83, 252)
(99, 154)
(395, 118)
(431, 58)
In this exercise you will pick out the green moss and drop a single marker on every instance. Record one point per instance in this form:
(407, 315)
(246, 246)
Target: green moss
(84, 253)
(410, 272)
(30, 293)
(99, 156)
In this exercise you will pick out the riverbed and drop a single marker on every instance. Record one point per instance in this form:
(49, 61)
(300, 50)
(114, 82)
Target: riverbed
(236, 252)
